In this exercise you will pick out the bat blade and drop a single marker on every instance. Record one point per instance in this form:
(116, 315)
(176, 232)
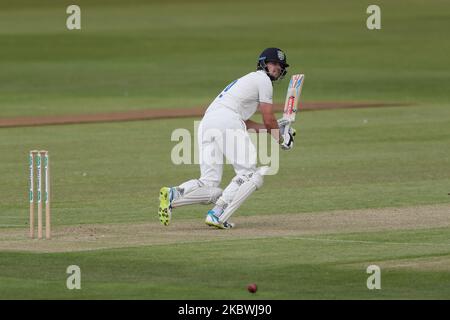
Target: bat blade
(293, 97)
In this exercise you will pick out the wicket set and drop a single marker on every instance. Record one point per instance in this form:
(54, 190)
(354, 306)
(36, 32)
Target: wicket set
(41, 156)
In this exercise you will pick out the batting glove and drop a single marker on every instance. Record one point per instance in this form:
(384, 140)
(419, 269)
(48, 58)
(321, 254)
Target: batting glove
(288, 139)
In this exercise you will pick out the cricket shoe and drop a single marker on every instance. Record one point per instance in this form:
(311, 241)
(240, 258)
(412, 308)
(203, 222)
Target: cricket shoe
(165, 205)
(213, 221)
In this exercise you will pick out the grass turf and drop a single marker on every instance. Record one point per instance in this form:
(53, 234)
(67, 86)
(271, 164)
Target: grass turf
(286, 268)
(341, 162)
(112, 172)
(138, 55)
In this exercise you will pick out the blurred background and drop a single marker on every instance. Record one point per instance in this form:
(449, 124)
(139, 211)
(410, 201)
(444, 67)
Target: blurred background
(152, 54)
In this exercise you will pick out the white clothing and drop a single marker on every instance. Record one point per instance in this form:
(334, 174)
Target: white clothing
(244, 95)
(222, 133)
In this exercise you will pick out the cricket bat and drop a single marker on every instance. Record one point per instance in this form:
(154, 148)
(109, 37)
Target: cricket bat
(293, 96)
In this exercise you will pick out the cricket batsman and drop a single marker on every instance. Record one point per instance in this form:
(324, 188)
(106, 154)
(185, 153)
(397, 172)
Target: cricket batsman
(230, 112)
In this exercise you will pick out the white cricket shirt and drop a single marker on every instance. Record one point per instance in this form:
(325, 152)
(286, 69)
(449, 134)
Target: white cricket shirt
(244, 95)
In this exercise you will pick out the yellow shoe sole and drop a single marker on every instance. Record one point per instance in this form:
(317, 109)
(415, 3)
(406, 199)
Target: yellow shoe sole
(218, 226)
(164, 210)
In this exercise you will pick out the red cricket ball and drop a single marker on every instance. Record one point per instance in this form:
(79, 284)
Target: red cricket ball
(252, 288)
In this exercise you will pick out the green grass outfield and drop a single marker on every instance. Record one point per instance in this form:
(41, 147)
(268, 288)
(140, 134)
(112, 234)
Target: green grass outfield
(348, 163)
(282, 268)
(155, 54)
(111, 173)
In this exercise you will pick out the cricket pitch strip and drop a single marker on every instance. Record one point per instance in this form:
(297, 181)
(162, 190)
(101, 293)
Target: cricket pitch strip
(181, 231)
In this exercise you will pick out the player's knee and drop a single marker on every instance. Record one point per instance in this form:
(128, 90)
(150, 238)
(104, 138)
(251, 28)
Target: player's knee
(257, 179)
(212, 186)
(253, 177)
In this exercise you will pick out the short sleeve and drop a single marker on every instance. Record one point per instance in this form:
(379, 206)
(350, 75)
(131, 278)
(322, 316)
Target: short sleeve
(265, 90)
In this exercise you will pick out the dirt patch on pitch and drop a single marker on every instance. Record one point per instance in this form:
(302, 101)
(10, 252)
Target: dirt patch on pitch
(105, 236)
(434, 264)
(422, 264)
(167, 113)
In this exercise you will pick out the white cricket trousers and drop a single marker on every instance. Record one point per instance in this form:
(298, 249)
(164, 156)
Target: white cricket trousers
(223, 138)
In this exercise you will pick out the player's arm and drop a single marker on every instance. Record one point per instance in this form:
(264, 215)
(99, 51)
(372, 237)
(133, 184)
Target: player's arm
(269, 121)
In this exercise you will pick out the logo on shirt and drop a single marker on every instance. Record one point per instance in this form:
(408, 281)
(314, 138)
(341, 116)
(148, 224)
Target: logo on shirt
(280, 55)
